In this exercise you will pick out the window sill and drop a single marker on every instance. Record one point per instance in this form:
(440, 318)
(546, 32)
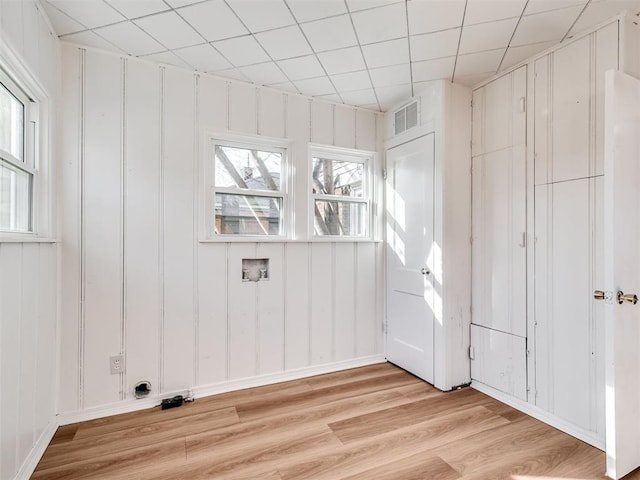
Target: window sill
(287, 240)
(25, 238)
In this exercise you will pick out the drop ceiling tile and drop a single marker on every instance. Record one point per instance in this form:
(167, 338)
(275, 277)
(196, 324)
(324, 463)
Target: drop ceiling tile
(600, 10)
(481, 11)
(383, 54)
(347, 82)
(168, 58)
(487, 36)
(138, 8)
(315, 86)
(330, 33)
(181, 3)
(360, 97)
(389, 76)
(214, 20)
(545, 27)
(539, 6)
(307, 10)
(88, 13)
(62, 23)
(433, 69)
(330, 98)
(264, 73)
(378, 24)
(130, 39)
(516, 55)
(259, 15)
(471, 80)
(90, 39)
(355, 5)
(284, 43)
(170, 30)
(233, 74)
(203, 57)
(342, 61)
(481, 62)
(242, 51)
(285, 86)
(434, 15)
(434, 45)
(302, 67)
(389, 97)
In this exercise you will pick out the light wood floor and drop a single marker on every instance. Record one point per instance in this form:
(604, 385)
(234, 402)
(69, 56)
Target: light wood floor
(371, 423)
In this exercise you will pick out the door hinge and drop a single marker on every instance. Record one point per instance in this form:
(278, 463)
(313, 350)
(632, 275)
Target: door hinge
(384, 173)
(472, 353)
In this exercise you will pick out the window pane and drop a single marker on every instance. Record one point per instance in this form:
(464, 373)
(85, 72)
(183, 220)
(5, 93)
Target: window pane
(15, 198)
(335, 177)
(247, 215)
(11, 124)
(340, 218)
(245, 168)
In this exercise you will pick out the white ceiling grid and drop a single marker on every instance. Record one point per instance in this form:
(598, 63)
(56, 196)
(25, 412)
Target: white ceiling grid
(367, 53)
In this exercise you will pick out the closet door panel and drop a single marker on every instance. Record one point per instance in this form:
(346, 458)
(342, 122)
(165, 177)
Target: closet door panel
(499, 253)
(518, 110)
(497, 118)
(571, 94)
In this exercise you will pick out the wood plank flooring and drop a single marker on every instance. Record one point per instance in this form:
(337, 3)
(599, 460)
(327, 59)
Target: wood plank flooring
(371, 423)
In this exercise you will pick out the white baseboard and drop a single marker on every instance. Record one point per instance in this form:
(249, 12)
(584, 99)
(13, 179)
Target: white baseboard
(31, 462)
(581, 434)
(133, 405)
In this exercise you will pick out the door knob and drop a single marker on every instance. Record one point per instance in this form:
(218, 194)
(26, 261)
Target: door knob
(598, 294)
(425, 271)
(631, 298)
(606, 296)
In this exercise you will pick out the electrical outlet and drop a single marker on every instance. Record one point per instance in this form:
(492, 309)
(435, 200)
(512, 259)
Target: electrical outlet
(117, 364)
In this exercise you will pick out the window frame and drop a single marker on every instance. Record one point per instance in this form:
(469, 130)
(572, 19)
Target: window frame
(29, 163)
(366, 158)
(248, 142)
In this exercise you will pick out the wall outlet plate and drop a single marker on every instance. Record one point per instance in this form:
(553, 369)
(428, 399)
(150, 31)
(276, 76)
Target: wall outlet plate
(116, 364)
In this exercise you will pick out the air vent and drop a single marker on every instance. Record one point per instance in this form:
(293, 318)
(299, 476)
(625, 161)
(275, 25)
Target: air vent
(406, 118)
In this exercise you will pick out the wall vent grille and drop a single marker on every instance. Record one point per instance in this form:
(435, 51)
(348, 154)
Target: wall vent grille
(406, 118)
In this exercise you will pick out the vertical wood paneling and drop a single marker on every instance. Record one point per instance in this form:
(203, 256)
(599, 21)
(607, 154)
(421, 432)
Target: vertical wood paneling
(344, 301)
(212, 295)
(212, 108)
(571, 110)
(46, 349)
(242, 314)
(298, 131)
(322, 123)
(322, 321)
(365, 298)
(178, 236)
(271, 113)
(28, 341)
(297, 310)
(102, 229)
(365, 130)
(606, 43)
(10, 316)
(243, 108)
(477, 139)
(344, 127)
(141, 224)
(543, 118)
(70, 201)
(271, 311)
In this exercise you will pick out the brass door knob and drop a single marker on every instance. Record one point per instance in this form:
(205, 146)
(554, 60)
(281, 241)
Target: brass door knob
(631, 298)
(598, 294)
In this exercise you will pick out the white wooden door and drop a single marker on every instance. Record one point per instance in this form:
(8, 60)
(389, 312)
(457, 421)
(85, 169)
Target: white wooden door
(622, 272)
(410, 255)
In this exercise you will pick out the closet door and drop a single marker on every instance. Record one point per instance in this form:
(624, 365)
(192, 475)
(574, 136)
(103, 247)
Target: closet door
(499, 258)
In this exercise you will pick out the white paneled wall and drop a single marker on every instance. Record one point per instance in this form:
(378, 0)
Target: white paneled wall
(139, 282)
(28, 272)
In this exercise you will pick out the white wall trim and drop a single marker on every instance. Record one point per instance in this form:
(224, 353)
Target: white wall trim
(586, 436)
(31, 462)
(213, 389)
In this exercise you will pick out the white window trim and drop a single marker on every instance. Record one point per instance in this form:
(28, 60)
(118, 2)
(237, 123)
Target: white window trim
(365, 157)
(37, 151)
(208, 190)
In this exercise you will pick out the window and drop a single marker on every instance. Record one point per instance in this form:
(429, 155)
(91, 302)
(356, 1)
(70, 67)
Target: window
(249, 185)
(341, 193)
(17, 168)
